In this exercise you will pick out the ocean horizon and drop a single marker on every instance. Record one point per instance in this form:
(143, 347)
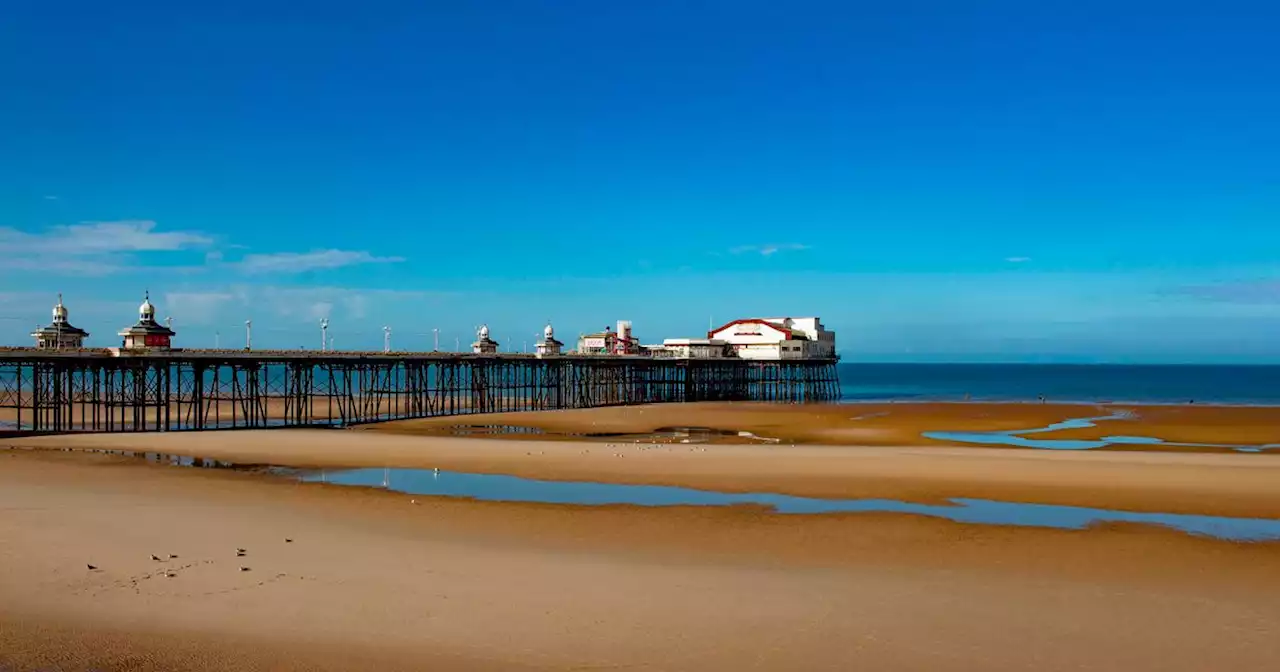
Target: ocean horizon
(1131, 383)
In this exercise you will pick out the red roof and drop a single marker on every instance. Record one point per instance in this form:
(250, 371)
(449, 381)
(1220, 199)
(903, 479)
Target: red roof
(776, 327)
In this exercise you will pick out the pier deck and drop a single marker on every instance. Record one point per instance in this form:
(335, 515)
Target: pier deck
(97, 390)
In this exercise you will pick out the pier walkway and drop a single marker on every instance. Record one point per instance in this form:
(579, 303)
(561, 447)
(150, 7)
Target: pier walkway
(101, 391)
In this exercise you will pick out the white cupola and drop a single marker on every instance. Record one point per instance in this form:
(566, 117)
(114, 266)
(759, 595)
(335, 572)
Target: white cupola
(59, 312)
(147, 312)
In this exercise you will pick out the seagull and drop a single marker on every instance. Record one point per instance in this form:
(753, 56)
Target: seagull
(91, 567)
(288, 541)
(239, 554)
(240, 550)
(173, 557)
(169, 575)
(153, 557)
(244, 569)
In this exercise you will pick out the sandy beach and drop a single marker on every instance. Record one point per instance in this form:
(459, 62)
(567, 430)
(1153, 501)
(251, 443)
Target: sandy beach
(372, 581)
(386, 581)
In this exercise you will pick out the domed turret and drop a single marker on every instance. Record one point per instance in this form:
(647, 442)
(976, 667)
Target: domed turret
(147, 334)
(59, 334)
(147, 312)
(59, 312)
(548, 345)
(484, 345)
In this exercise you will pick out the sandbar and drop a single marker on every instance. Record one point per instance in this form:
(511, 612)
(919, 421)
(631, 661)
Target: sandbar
(876, 424)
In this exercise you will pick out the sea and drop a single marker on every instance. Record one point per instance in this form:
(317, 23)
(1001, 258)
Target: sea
(1160, 384)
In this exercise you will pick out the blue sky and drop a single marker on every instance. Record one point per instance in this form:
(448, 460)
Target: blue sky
(940, 181)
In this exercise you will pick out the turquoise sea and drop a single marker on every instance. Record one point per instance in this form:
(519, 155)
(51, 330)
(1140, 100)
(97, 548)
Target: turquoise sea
(1028, 382)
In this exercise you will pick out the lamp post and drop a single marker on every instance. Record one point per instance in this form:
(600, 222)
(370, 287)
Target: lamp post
(386, 339)
(436, 333)
(248, 334)
(324, 334)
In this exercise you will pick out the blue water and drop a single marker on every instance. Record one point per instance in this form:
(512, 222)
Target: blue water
(1027, 382)
(515, 489)
(1018, 438)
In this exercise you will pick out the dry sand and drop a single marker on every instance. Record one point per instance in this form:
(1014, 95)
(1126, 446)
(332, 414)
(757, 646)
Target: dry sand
(372, 581)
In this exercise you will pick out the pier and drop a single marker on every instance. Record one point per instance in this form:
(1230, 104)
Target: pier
(90, 390)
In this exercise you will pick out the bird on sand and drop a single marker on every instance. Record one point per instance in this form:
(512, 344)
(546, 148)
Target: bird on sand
(288, 541)
(153, 557)
(244, 569)
(91, 567)
(173, 557)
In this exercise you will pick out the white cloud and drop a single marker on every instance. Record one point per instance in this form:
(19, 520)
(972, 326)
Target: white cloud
(768, 250)
(1017, 260)
(321, 310)
(197, 307)
(52, 265)
(91, 248)
(295, 262)
(90, 238)
(285, 305)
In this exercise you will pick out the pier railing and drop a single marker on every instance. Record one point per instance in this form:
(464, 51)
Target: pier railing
(98, 391)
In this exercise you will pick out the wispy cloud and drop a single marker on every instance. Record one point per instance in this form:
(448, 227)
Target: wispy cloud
(51, 198)
(197, 307)
(1256, 291)
(767, 250)
(1017, 260)
(101, 238)
(91, 248)
(284, 303)
(90, 238)
(299, 262)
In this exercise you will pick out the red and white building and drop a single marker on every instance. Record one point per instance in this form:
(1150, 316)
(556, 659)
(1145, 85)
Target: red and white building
(609, 342)
(695, 348)
(777, 338)
(147, 334)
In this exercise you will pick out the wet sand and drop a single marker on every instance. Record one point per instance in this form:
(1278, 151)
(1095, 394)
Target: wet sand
(372, 581)
(220, 410)
(881, 424)
(1242, 485)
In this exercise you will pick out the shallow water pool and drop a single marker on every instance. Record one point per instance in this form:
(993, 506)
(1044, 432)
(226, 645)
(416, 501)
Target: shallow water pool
(489, 487)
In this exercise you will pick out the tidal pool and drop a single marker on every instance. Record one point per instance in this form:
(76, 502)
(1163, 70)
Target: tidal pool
(1017, 437)
(489, 487)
